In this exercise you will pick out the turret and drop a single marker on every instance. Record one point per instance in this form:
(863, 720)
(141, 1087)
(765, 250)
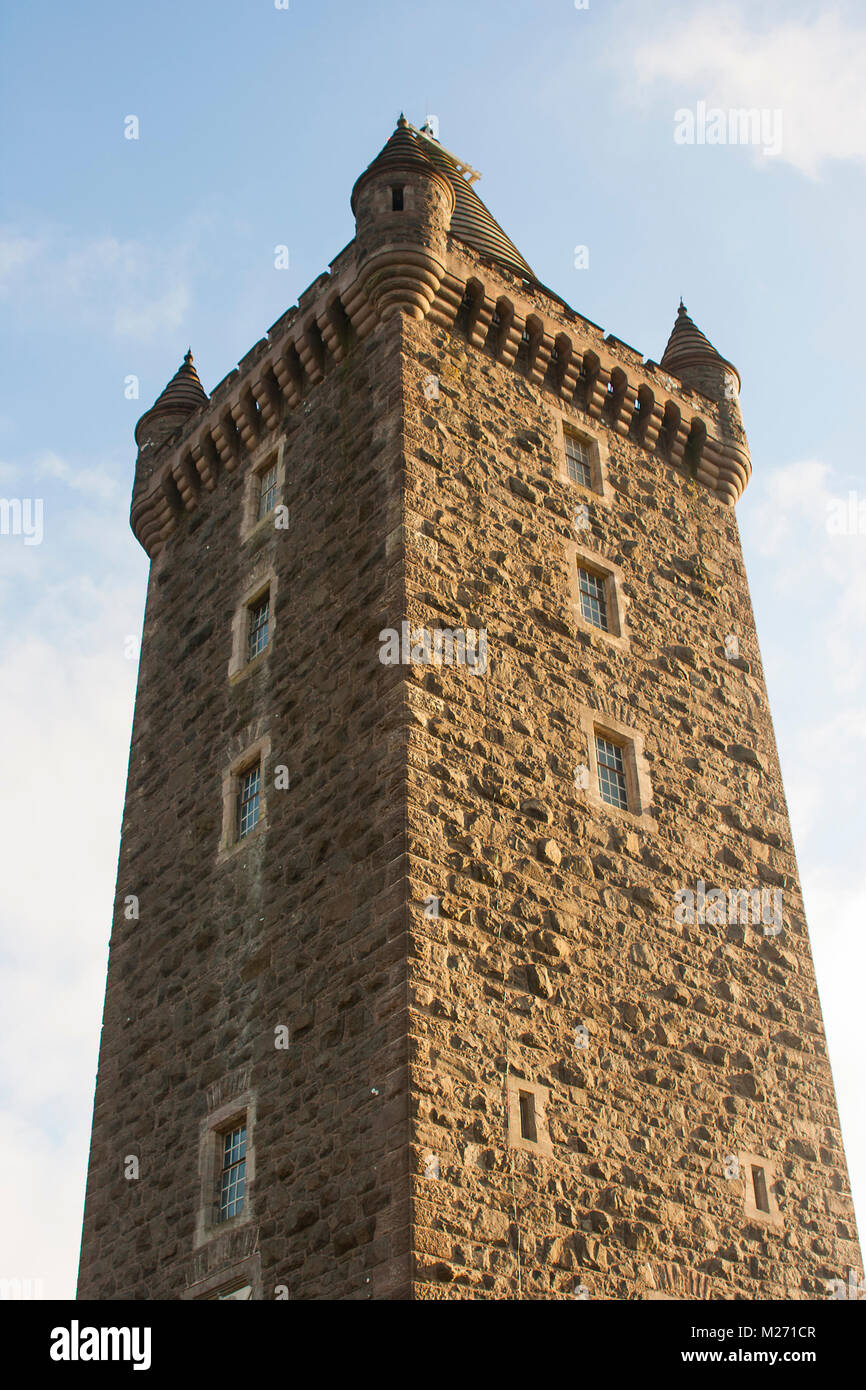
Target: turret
(183, 395)
(402, 205)
(691, 356)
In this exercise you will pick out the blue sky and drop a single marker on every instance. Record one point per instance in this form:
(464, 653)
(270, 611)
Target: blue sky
(117, 254)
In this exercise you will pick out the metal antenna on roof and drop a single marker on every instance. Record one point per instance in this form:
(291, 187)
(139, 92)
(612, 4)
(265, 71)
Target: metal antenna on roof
(465, 170)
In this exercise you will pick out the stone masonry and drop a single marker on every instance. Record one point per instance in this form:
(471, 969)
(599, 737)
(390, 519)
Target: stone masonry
(444, 983)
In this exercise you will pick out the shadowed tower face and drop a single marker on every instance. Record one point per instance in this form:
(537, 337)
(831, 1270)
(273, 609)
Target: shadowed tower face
(458, 948)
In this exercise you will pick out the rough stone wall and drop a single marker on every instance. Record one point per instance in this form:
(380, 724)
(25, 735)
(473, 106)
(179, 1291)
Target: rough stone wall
(703, 1040)
(382, 1167)
(306, 926)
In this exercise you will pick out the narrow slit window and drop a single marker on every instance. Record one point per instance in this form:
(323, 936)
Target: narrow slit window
(759, 1187)
(528, 1129)
(593, 601)
(249, 800)
(267, 490)
(260, 613)
(464, 313)
(578, 460)
(233, 1175)
(396, 199)
(611, 773)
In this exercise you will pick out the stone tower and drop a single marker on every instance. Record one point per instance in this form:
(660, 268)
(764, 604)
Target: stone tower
(458, 947)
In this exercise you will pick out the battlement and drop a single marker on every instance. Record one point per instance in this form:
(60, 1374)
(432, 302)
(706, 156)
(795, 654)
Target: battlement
(520, 322)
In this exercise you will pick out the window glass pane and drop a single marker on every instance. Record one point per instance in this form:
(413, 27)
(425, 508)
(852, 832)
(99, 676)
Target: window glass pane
(611, 773)
(235, 1145)
(593, 604)
(578, 460)
(267, 491)
(232, 1191)
(259, 620)
(233, 1178)
(248, 805)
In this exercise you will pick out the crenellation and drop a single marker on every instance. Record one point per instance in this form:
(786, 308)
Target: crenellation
(205, 460)
(314, 340)
(249, 360)
(267, 397)
(310, 349)
(222, 390)
(245, 413)
(334, 327)
(509, 337)
(625, 351)
(186, 479)
(481, 314)
(540, 348)
(288, 372)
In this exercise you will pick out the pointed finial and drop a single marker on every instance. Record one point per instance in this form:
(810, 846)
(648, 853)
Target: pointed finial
(402, 121)
(187, 357)
(682, 309)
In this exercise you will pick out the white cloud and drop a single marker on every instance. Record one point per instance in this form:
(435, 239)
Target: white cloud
(790, 495)
(815, 666)
(42, 1226)
(15, 253)
(66, 698)
(85, 264)
(812, 70)
(66, 716)
(836, 907)
(788, 520)
(814, 798)
(104, 283)
(94, 481)
(145, 320)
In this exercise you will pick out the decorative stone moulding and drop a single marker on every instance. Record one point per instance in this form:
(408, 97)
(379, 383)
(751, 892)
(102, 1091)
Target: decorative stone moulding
(399, 280)
(571, 358)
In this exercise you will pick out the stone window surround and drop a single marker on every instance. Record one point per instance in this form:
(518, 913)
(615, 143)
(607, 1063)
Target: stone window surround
(773, 1217)
(513, 1086)
(239, 1109)
(227, 1278)
(262, 580)
(594, 435)
(578, 556)
(231, 1289)
(259, 751)
(637, 778)
(262, 458)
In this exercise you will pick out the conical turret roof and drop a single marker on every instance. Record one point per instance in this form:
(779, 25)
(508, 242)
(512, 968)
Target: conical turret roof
(470, 221)
(401, 150)
(689, 347)
(183, 394)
